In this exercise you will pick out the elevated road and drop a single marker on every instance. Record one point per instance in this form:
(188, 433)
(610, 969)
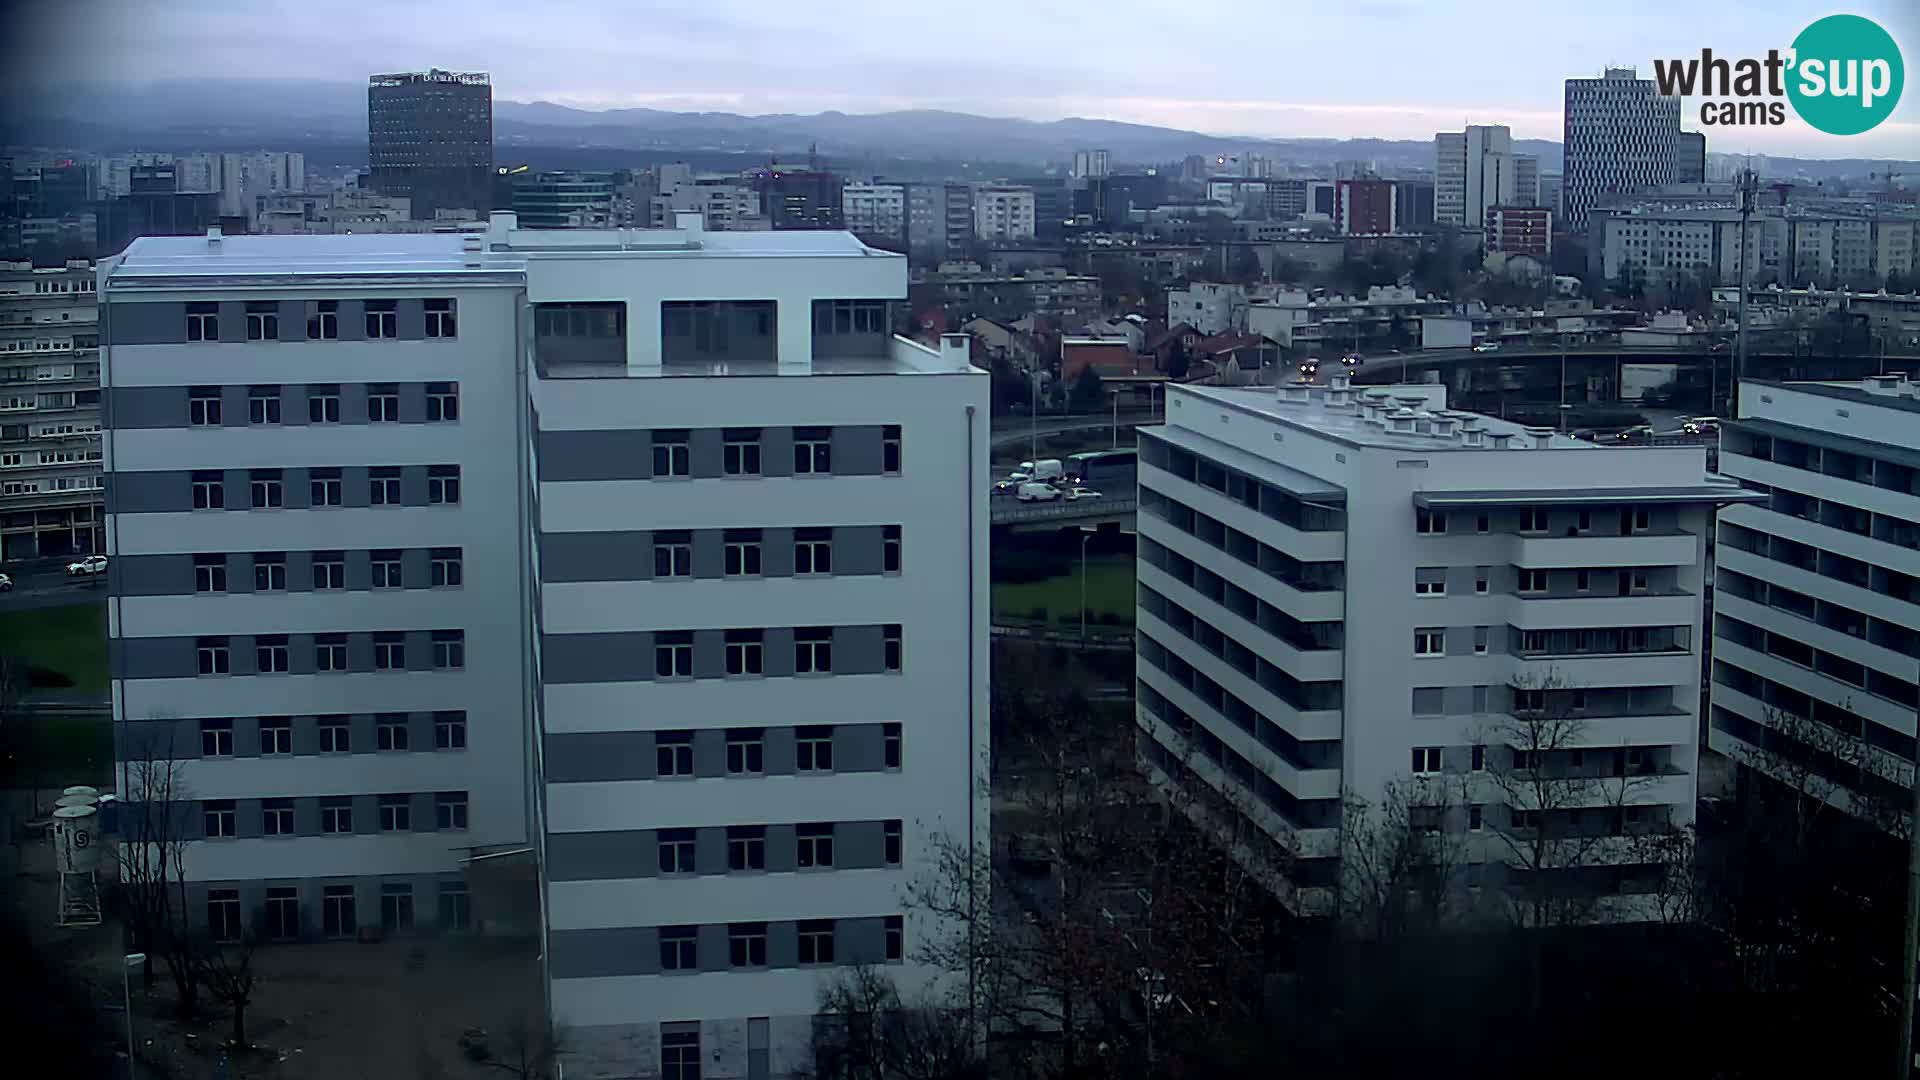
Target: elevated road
(1061, 514)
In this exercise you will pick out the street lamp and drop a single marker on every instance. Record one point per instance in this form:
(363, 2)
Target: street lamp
(1086, 533)
(133, 960)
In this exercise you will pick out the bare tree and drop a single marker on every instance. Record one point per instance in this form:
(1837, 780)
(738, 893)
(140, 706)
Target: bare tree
(1401, 860)
(864, 1031)
(151, 857)
(227, 971)
(529, 1048)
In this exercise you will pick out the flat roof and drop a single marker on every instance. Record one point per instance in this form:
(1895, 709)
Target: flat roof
(1705, 491)
(1845, 391)
(1288, 479)
(1350, 426)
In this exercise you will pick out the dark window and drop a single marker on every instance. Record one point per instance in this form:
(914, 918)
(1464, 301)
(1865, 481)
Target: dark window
(741, 551)
(269, 571)
(263, 405)
(385, 564)
(673, 753)
(213, 655)
(396, 813)
(263, 320)
(891, 647)
(210, 573)
(203, 321)
(327, 487)
(443, 485)
(747, 945)
(672, 453)
(815, 842)
(323, 404)
(336, 816)
(396, 906)
(890, 449)
(890, 549)
(208, 491)
(678, 948)
(223, 914)
(813, 650)
(336, 905)
(746, 847)
(746, 751)
(324, 323)
(443, 402)
(203, 406)
(283, 914)
(676, 851)
(456, 906)
(450, 810)
(449, 650)
(813, 749)
(816, 941)
(893, 834)
(440, 319)
(813, 551)
(890, 745)
(329, 570)
(745, 652)
(390, 731)
(216, 738)
(384, 485)
(264, 486)
(673, 654)
(672, 554)
(276, 735)
(446, 568)
(383, 403)
(740, 452)
(383, 318)
(680, 1055)
(217, 815)
(276, 817)
(336, 736)
(449, 730)
(812, 450)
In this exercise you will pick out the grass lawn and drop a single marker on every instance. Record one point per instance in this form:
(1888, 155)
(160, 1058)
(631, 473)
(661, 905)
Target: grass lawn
(1109, 589)
(71, 640)
(56, 751)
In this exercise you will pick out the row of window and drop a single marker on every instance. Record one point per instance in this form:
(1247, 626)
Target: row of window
(741, 451)
(812, 552)
(1533, 521)
(204, 408)
(445, 570)
(272, 655)
(678, 851)
(282, 920)
(1256, 495)
(382, 320)
(747, 948)
(1432, 641)
(391, 732)
(1613, 761)
(394, 813)
(1432, 581)
(746, 651)
(747, 750)
(266, 488)
(1305, 576)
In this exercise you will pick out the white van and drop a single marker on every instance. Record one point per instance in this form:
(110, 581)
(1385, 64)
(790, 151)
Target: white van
(1046, 469)
(1034, 491)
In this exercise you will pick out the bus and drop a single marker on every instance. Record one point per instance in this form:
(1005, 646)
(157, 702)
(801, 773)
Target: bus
(1115, 472)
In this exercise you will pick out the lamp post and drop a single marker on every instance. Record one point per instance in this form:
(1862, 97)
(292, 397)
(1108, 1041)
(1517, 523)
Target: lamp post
(1086, 533)
(133, 960)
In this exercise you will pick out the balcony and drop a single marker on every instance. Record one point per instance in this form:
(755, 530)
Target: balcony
(1605, 610)
(1672, 548)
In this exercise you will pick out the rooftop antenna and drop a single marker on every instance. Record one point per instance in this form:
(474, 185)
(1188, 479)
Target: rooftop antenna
(1749, 186)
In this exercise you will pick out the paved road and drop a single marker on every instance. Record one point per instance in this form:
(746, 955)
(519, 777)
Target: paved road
(49, 586)
(1013, 431)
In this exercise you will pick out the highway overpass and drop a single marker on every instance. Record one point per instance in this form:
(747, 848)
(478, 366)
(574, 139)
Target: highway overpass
(1020, 516)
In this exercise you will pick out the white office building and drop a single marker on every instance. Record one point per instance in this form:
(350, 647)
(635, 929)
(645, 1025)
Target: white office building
(1003, 213)
(1621, 135)
(1816, 649)
(687, 595)
(1339, 591)
(876, 210)
(1089, 164)
(50, 456)
(1474, 170)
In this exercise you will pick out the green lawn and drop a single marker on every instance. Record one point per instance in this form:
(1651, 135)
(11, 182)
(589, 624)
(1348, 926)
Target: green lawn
(71, 640)
(56, 751)
(1109, 590)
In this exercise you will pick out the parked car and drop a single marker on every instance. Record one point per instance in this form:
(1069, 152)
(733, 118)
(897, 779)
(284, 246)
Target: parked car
(1637, 433)
(6, 583)
(1077, 493)
(1034, 491)
(1487, 346)
(88, 567)
(1702, 425)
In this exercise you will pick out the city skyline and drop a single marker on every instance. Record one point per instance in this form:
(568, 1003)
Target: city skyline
(1410, 79)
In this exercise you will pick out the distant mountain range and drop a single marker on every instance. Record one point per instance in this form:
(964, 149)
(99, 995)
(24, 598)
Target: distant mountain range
(210, 114)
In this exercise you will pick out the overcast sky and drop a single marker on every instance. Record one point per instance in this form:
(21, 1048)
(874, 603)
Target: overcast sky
(1339, 68)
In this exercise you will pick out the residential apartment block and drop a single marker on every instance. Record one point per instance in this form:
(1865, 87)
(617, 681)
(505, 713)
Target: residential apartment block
(1621, 135)
(680, 606)
(50, 456)
(876, 210)
(1340, 591)
(1816, 650)
(1003, 213)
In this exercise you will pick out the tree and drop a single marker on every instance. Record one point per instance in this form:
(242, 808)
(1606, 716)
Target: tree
(1401, 860)
(228, 973)
(151, 858)
(1087, 395)
(1244, 266)
(1177, 363)
(530, 1048)
(864, 1031)
(1289, 270)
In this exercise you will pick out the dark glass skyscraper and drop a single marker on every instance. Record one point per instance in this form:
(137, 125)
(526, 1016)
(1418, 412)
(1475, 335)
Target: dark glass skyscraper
(430, 138)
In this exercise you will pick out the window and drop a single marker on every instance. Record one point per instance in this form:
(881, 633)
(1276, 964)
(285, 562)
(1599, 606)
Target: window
(672, 554)
(895, 938)
(676, 851)
(1583, 521)
(329, 570)
(276, 735)
(1525, 760)
(816, 941)
(384, 564)
(746, 847)
(283, 914)
(1429, 523)
(450, 810)
(208, 491)
(336, 815)
(336, 907)
(742, 552)
(893, 842)
(1581, 580)
(673, 754)
(384, 486)
(747, 945)
(265, 488)
(223, 914)
(383, 403)
(324, 323)
(1482, 523)
(443, 485)
(1474, 818)
(740, 452)
(396, 814)
(1480, 635)
(1426, 760)
(203, 321)
(443, 402)
(323, 404)
(813, 749)
(326, 487)
(212, 654)
(440, 321)
(456, 906)
(890, 450)
(891, 654)
(813, 551)
(203, 406)
(890, 549)
(746, 751)
(812, 450)
(390, 731)
(1482, 578)
(1533, 581)
(449, 650)
(890, 745)
(673, 654)
(336, 736)
(1641, 521)
(1429, 642)
(1430, 581)
(396, 906)
(217, 814)
(263, 320)
(445, 568)
(209, 573)
(269, 571)
(672, 454)
(1533, 519)
(816, 845)
(744, 652)
(216, 738)
(679, 1054)
(1524, 819)
(276, 817)
(1479, 759)
(850, 317)
(450, 730)
(263, 405)
(383, 318)
(1529, 700)
(813, 650)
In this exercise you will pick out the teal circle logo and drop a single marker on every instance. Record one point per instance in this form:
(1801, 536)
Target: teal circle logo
(1846, 75)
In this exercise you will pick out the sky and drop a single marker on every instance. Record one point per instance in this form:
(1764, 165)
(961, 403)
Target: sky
(1268, 68)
